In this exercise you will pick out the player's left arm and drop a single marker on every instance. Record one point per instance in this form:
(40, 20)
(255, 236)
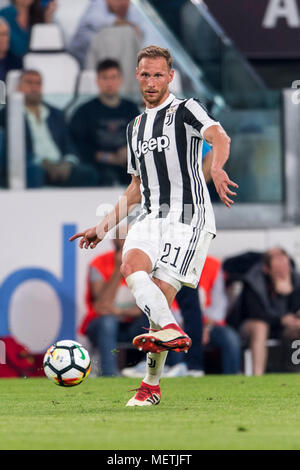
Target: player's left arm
(217, 137)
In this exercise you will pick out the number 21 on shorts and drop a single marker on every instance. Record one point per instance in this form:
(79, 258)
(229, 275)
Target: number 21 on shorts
(170, 255)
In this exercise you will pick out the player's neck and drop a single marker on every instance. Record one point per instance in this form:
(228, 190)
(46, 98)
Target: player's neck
(160, 103)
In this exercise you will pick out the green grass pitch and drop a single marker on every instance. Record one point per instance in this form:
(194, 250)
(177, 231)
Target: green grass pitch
(213, 412)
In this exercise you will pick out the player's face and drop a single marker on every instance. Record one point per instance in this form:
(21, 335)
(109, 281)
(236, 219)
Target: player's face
(109, 82)
(154, 77)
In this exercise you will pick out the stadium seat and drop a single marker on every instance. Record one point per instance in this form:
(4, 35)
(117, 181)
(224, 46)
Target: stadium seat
(59, 69)
(47, 37)
(87, 83)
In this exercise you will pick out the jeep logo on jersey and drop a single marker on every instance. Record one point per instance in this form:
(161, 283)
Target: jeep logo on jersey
(159, 143)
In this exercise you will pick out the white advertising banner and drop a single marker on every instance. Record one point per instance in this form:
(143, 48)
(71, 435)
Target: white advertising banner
(42, 274)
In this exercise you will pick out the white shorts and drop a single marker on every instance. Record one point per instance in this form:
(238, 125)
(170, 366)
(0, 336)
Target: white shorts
(177, 251)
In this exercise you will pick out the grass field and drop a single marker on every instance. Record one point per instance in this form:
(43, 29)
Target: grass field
(213, 412)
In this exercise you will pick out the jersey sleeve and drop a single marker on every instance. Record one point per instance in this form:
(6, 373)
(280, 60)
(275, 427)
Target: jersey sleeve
(132, 167)
(196, 116)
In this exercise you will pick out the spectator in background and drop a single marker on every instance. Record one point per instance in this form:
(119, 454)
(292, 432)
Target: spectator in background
(269, 305)
(214, 306)
(98, 127)
(121, 43)
(112, 314)
(8, 61)
(49, 151)
(98, 15)
(21, 16)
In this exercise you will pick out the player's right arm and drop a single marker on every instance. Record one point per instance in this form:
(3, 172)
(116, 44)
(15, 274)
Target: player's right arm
(92, 236)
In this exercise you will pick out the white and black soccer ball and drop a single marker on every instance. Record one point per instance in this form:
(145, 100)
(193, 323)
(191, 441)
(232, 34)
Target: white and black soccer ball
(67, 363)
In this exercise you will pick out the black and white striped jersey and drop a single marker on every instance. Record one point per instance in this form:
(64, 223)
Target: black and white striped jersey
(165, 150)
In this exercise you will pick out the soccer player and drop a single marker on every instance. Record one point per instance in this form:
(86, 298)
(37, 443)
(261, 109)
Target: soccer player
(166, 247)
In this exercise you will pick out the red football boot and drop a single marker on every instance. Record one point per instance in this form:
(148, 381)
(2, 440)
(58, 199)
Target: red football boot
(147, 395)
(169, 338)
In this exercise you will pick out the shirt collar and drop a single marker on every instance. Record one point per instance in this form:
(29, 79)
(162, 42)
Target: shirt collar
(167, 101)
(44, 113)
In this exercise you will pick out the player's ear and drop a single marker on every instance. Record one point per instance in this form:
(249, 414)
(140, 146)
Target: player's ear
(171, 75)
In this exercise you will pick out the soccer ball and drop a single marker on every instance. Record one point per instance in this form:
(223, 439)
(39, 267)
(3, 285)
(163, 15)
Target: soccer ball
(67, 363)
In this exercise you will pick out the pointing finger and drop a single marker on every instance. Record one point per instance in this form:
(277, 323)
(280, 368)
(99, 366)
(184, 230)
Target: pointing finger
(77, 235)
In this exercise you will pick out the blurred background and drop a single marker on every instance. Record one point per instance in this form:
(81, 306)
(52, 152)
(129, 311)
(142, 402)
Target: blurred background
(67, 92)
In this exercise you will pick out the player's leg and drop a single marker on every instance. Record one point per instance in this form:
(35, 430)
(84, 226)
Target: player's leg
(140, 254)
(181, 262)
(167, 335)
(146, 292)
(150, 297)
(153, 297)
(149, 391)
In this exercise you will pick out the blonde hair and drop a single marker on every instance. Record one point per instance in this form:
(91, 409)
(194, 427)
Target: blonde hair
(152, 52)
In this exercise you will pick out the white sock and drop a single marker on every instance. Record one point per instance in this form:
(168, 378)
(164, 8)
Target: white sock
(155, 364)
(150, 299)
(155, 367)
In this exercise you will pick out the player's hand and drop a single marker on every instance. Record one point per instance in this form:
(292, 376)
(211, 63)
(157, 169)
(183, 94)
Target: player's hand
(89, 238)
(222, 183)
